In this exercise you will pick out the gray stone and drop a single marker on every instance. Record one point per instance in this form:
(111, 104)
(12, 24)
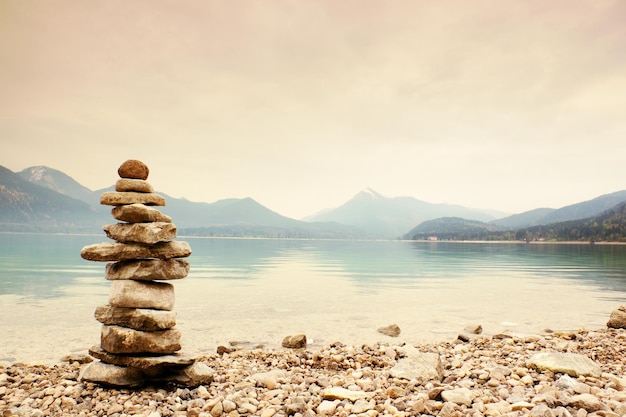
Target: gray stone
(297, 341)
(139, 213)
(133, 168)
(618, 318)
(107, 374)
(147, 233)
(122, 340)
(136, 318)
(104, 252)
(142, 294)
(422, 366)
(128, 184)
(152, 366)
(572, 364)
(147, 269)
(392, 330)
(114, 198)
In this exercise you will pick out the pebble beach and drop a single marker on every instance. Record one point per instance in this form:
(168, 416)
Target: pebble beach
(482, 376)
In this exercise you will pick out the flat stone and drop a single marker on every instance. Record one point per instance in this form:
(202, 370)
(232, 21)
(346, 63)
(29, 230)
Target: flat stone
(460, 396)
(572, 364)
(147, 269)
(588, 402)
(136, 318)
(150, 365)
(422, 366)
(393, 330)
(114, 198)
(147, 233)
(339, 393)
(617, 320)
(128, 184)
(141, 294)
(107, 374)
(133, 168)
(199, 373)
(115, 251)
(139, 213)
(122, 340)
(297, 341)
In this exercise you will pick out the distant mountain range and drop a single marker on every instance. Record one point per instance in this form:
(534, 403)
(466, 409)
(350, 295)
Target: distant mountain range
(47, 200)
(598, 224)
(392, 217)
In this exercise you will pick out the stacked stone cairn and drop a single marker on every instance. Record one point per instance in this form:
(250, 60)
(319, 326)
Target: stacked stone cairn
(139, 343)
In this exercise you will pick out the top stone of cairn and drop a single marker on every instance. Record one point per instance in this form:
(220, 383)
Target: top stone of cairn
(133, 169)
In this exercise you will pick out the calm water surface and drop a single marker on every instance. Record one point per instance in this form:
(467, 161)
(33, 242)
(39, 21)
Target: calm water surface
(258, 291)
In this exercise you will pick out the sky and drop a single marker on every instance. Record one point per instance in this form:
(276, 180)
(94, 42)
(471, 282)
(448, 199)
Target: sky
(300, 104)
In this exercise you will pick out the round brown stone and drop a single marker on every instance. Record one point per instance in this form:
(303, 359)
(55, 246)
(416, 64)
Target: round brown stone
(133, 169)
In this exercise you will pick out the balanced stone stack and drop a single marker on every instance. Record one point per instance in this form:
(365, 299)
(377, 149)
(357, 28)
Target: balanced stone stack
(139, 343)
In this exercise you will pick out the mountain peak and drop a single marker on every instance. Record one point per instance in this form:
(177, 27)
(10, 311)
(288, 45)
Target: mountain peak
(371, 194)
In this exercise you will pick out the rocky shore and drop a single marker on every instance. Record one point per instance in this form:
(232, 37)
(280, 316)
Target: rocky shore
(553, 374)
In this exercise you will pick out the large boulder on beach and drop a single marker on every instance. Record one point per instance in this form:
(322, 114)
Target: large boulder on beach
(572, 364)
(618, 318)
(152, 365)
(107, 374)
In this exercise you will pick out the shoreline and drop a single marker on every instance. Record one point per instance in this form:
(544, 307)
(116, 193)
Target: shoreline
(486, 375)
(537, 242)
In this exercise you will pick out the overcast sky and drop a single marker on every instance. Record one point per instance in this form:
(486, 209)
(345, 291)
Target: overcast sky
(300, 104)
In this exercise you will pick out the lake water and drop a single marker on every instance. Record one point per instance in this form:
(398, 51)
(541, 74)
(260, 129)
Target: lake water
(259, 290)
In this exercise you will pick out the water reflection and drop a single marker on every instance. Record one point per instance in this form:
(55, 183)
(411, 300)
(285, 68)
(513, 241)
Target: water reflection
(44, 265)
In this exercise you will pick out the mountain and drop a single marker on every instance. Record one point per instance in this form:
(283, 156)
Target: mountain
(451, 228)
(25, 206)
(391, 217)
(57, 181)
(49, 189)
(610, 225)
(525, 219)
(576, 211)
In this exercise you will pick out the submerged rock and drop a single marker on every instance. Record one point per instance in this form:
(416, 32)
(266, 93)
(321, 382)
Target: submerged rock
(393, 330)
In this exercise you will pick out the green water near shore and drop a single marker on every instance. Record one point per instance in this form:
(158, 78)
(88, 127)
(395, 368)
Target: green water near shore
(261, 290)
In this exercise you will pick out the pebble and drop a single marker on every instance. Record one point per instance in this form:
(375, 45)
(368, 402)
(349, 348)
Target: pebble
(486, 376)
